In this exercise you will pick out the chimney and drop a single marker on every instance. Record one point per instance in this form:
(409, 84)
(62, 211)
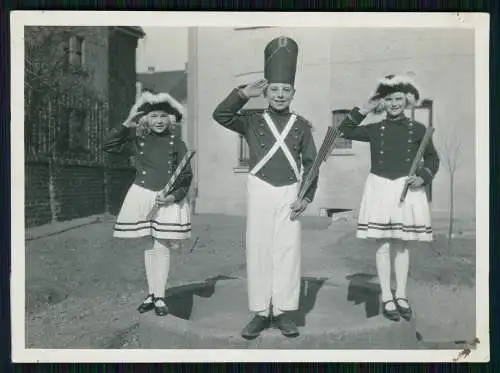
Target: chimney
(138, 90)
(186, 67)
(151, 69)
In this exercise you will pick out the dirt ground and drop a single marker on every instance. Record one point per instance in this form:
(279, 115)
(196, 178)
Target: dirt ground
(83, 285)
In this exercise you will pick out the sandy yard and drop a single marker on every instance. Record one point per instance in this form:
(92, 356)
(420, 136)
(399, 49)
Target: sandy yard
(83, 286)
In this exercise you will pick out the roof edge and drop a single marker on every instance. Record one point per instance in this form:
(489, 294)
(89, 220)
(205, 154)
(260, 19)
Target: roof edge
(136, 31)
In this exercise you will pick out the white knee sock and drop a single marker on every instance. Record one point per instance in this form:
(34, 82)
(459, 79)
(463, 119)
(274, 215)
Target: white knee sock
(149, 259)
(383, 261)
(401, 267)
(157, 262)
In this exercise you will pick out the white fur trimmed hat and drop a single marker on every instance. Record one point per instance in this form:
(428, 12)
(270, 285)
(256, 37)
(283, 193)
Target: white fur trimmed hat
(397, 83)
(149, 101)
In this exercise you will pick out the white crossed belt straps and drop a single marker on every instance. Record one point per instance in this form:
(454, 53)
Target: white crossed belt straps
(280, 143)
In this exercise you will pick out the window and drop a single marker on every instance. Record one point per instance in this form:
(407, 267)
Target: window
(337, 118)
(76, 52)
(423, 114)
(73, 133)
(244, 153)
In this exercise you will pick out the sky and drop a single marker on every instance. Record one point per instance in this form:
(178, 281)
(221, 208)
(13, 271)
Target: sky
(164, 48)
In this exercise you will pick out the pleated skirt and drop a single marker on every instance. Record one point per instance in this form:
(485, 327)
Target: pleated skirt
(171, 222)
(381, 214)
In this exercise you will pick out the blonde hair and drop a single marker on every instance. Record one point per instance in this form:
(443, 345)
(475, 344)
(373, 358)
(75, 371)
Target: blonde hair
(411, 102)
(144, 124)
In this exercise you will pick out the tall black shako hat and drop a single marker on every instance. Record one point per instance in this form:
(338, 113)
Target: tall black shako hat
(149, 101)
(280, 60)
(397, 83)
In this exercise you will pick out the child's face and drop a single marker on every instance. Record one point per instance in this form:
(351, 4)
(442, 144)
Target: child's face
(279, 95)
(395, 103)
(159, 121)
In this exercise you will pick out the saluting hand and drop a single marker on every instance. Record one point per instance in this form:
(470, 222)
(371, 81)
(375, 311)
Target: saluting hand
(371, 104)
(415, 182)
(132, 120)
(255, 89)
(298, 207)
(165, 200)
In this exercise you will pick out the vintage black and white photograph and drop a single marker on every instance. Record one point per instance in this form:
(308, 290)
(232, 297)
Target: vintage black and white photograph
(298, 187)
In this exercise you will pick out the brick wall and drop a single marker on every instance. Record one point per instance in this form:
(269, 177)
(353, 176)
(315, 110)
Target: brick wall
(79, 190)
(85, 181)
(37, 199)
(118, 180)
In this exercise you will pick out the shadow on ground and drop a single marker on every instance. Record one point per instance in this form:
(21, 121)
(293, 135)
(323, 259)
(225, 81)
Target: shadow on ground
(309, 289)
(180, 299)
(362, 290)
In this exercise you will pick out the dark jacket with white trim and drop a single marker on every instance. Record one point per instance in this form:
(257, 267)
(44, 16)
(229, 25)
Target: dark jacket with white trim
(393, 145)
(260, 139)
(156, 158)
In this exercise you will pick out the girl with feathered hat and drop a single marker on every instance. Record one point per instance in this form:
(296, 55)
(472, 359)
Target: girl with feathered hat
(149, 133)
(394, 142)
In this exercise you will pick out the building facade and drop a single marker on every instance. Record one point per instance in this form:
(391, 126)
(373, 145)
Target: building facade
(79, 82)
(337, 69)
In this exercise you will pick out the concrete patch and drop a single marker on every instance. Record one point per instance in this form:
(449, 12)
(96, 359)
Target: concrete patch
(213, 318)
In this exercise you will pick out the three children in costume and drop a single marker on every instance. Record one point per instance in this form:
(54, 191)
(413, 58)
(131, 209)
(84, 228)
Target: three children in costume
(282, 151)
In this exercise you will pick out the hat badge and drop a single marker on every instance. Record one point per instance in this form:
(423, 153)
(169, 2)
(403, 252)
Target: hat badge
(282, 41)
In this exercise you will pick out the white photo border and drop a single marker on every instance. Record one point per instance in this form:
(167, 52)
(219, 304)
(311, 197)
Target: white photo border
(477, 21)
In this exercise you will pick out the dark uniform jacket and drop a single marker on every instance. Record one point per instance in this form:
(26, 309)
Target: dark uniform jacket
(156, 158)
(393, 145)
(260, 139)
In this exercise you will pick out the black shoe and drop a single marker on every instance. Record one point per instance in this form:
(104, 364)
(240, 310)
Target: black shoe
(392, 315)
(147, 306)
(406, 312)
(160, 310)
(287, 326)
(255, 326)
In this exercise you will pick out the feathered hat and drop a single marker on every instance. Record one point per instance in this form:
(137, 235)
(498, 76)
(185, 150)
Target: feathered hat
(398, 83)
(149, 101)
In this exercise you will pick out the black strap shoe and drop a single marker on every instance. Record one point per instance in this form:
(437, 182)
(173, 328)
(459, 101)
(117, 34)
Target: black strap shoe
(160, 310)
(255, 326)
(147, 306)
(287, 326)
(406, 312)
(392, 315)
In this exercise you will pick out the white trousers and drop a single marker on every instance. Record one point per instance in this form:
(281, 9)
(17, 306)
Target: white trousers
(272, 247)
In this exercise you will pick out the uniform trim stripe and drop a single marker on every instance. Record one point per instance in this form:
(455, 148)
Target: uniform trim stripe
(153, 228)
(395, 227)
(384, 225)
(153, 222)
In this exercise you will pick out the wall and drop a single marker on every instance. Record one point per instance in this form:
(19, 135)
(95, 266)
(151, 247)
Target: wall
(220, 188)
(443, 64)
(337, 69)
(121, 78)
(37, 204)
(83, 182)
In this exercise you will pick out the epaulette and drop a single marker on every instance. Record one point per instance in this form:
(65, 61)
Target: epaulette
(304, 120)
